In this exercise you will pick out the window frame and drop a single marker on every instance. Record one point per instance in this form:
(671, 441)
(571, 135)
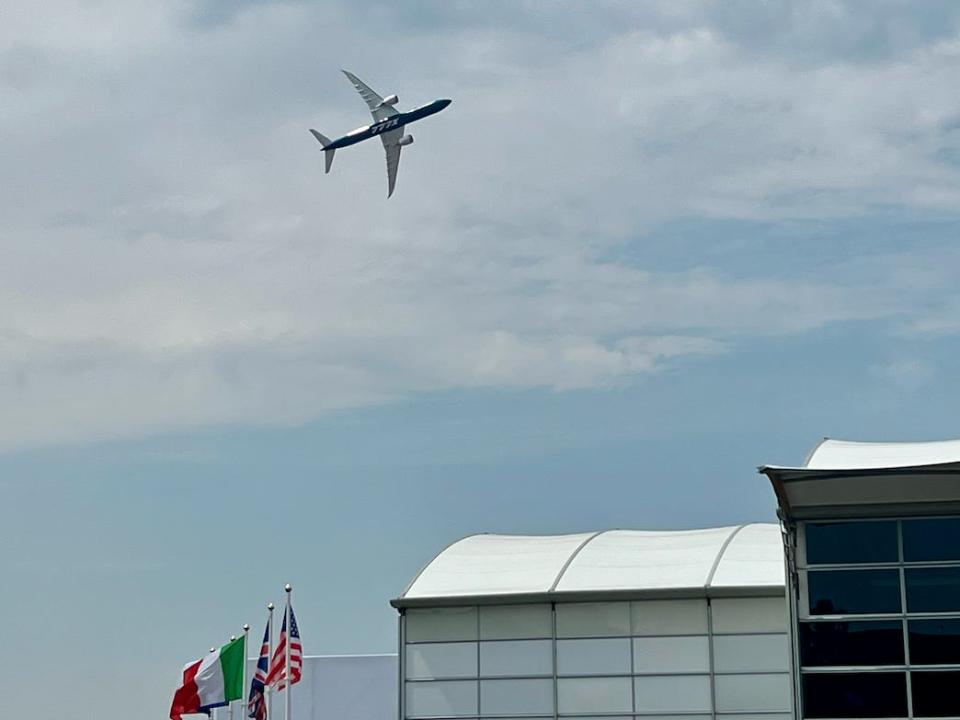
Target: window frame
(901, 565)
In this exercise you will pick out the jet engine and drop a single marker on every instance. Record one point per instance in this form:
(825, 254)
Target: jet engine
(405, 140)
(390, 100)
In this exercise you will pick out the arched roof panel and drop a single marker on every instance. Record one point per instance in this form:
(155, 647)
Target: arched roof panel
(496, 565)
(754, 558)
(850, 455)
(638, 559)
(613, 560)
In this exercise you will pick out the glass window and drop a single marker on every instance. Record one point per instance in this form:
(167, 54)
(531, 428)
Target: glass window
(855, 695)
(669, 617)
(745, 615)
(593, 619)
(677, 693)
(852, 542)
(671, 654)
(509, 622)
(760, 693)
(455, 623)
(516, 697)
(442, 698)
(935, 539)
(606, 656)
(935, 694)
(750, 653)
(594, 695)
(516, 657)
(933, 589)
(874, 642)
(838, 592)
(935, 642)
(441, 660)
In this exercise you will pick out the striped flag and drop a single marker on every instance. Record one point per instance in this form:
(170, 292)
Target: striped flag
(257, 704)
(276, 678)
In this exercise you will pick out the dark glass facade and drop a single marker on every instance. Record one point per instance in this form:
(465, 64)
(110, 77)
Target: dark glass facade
(878, 632)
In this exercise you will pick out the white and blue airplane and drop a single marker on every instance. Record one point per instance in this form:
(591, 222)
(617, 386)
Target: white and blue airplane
(388, 123)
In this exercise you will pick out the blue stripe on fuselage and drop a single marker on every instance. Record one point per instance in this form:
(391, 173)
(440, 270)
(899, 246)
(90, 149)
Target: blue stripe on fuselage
(388, 124)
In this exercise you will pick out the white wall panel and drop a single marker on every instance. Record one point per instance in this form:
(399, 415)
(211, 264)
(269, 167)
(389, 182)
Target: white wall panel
(669, 617)
(424, 625)
(594, 695)
(671, 654)
(753, 693)
(750, 653)
(604, 656)
(508, 622)
(516, 697)
(746, 615)
(593, 619)
(516, 657)
(441, 660)
(451, 697)
(675, 693)
(359, 687)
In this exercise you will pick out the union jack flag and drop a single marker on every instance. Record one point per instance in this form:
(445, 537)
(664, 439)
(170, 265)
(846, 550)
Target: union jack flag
(277, 677)
(257, 704)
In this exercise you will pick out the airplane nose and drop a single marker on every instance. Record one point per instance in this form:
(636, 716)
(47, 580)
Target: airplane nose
(444, 103)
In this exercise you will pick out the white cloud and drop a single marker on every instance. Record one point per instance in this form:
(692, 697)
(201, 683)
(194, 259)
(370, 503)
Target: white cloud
(173, 255)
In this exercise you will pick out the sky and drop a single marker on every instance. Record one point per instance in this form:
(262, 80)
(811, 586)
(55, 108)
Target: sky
(649, 247)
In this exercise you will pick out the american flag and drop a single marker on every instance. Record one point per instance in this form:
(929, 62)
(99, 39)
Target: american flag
(277, 676)
(257, 705)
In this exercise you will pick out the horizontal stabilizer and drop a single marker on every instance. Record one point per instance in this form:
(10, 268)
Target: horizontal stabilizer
(327, 154)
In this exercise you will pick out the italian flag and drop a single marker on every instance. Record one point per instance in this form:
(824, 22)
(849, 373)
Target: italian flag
(211, 682)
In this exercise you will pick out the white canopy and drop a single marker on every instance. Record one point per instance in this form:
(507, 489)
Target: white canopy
(842, 477)
(691, 562)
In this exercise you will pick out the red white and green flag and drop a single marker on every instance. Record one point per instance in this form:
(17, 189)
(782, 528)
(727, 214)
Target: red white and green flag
(210, 682)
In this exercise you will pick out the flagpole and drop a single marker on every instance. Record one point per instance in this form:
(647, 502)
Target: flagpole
(286, 660)
(215, 713)
(230, 702)
(243, 683)
(269, 690)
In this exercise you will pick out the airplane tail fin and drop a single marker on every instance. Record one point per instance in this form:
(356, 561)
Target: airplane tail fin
(327, 154)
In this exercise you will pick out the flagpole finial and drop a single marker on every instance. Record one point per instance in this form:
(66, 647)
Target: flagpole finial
(288, 587)
(213, 649)
(232, 638)
(246, 628)
(270, 607)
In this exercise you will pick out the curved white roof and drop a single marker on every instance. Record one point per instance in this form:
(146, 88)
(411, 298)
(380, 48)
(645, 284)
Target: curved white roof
(849, 455)
(847, 478)
(745, 556)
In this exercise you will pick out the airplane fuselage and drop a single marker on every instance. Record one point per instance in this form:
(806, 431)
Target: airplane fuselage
(393, 122)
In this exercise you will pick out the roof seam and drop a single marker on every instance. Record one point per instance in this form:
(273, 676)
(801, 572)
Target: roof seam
(723, 549)
(581, 546)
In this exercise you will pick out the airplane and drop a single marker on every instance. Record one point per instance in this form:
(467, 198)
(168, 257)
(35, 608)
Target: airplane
(388, 123)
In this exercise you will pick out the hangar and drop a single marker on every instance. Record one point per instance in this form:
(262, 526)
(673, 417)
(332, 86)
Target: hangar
(618, 624)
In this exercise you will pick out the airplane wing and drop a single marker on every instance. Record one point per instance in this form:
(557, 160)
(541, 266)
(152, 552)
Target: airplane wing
(391, 143)
(373, 101)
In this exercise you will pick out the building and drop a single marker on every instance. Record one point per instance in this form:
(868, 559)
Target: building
(848, 608)
(620, 623)
(873, 547)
